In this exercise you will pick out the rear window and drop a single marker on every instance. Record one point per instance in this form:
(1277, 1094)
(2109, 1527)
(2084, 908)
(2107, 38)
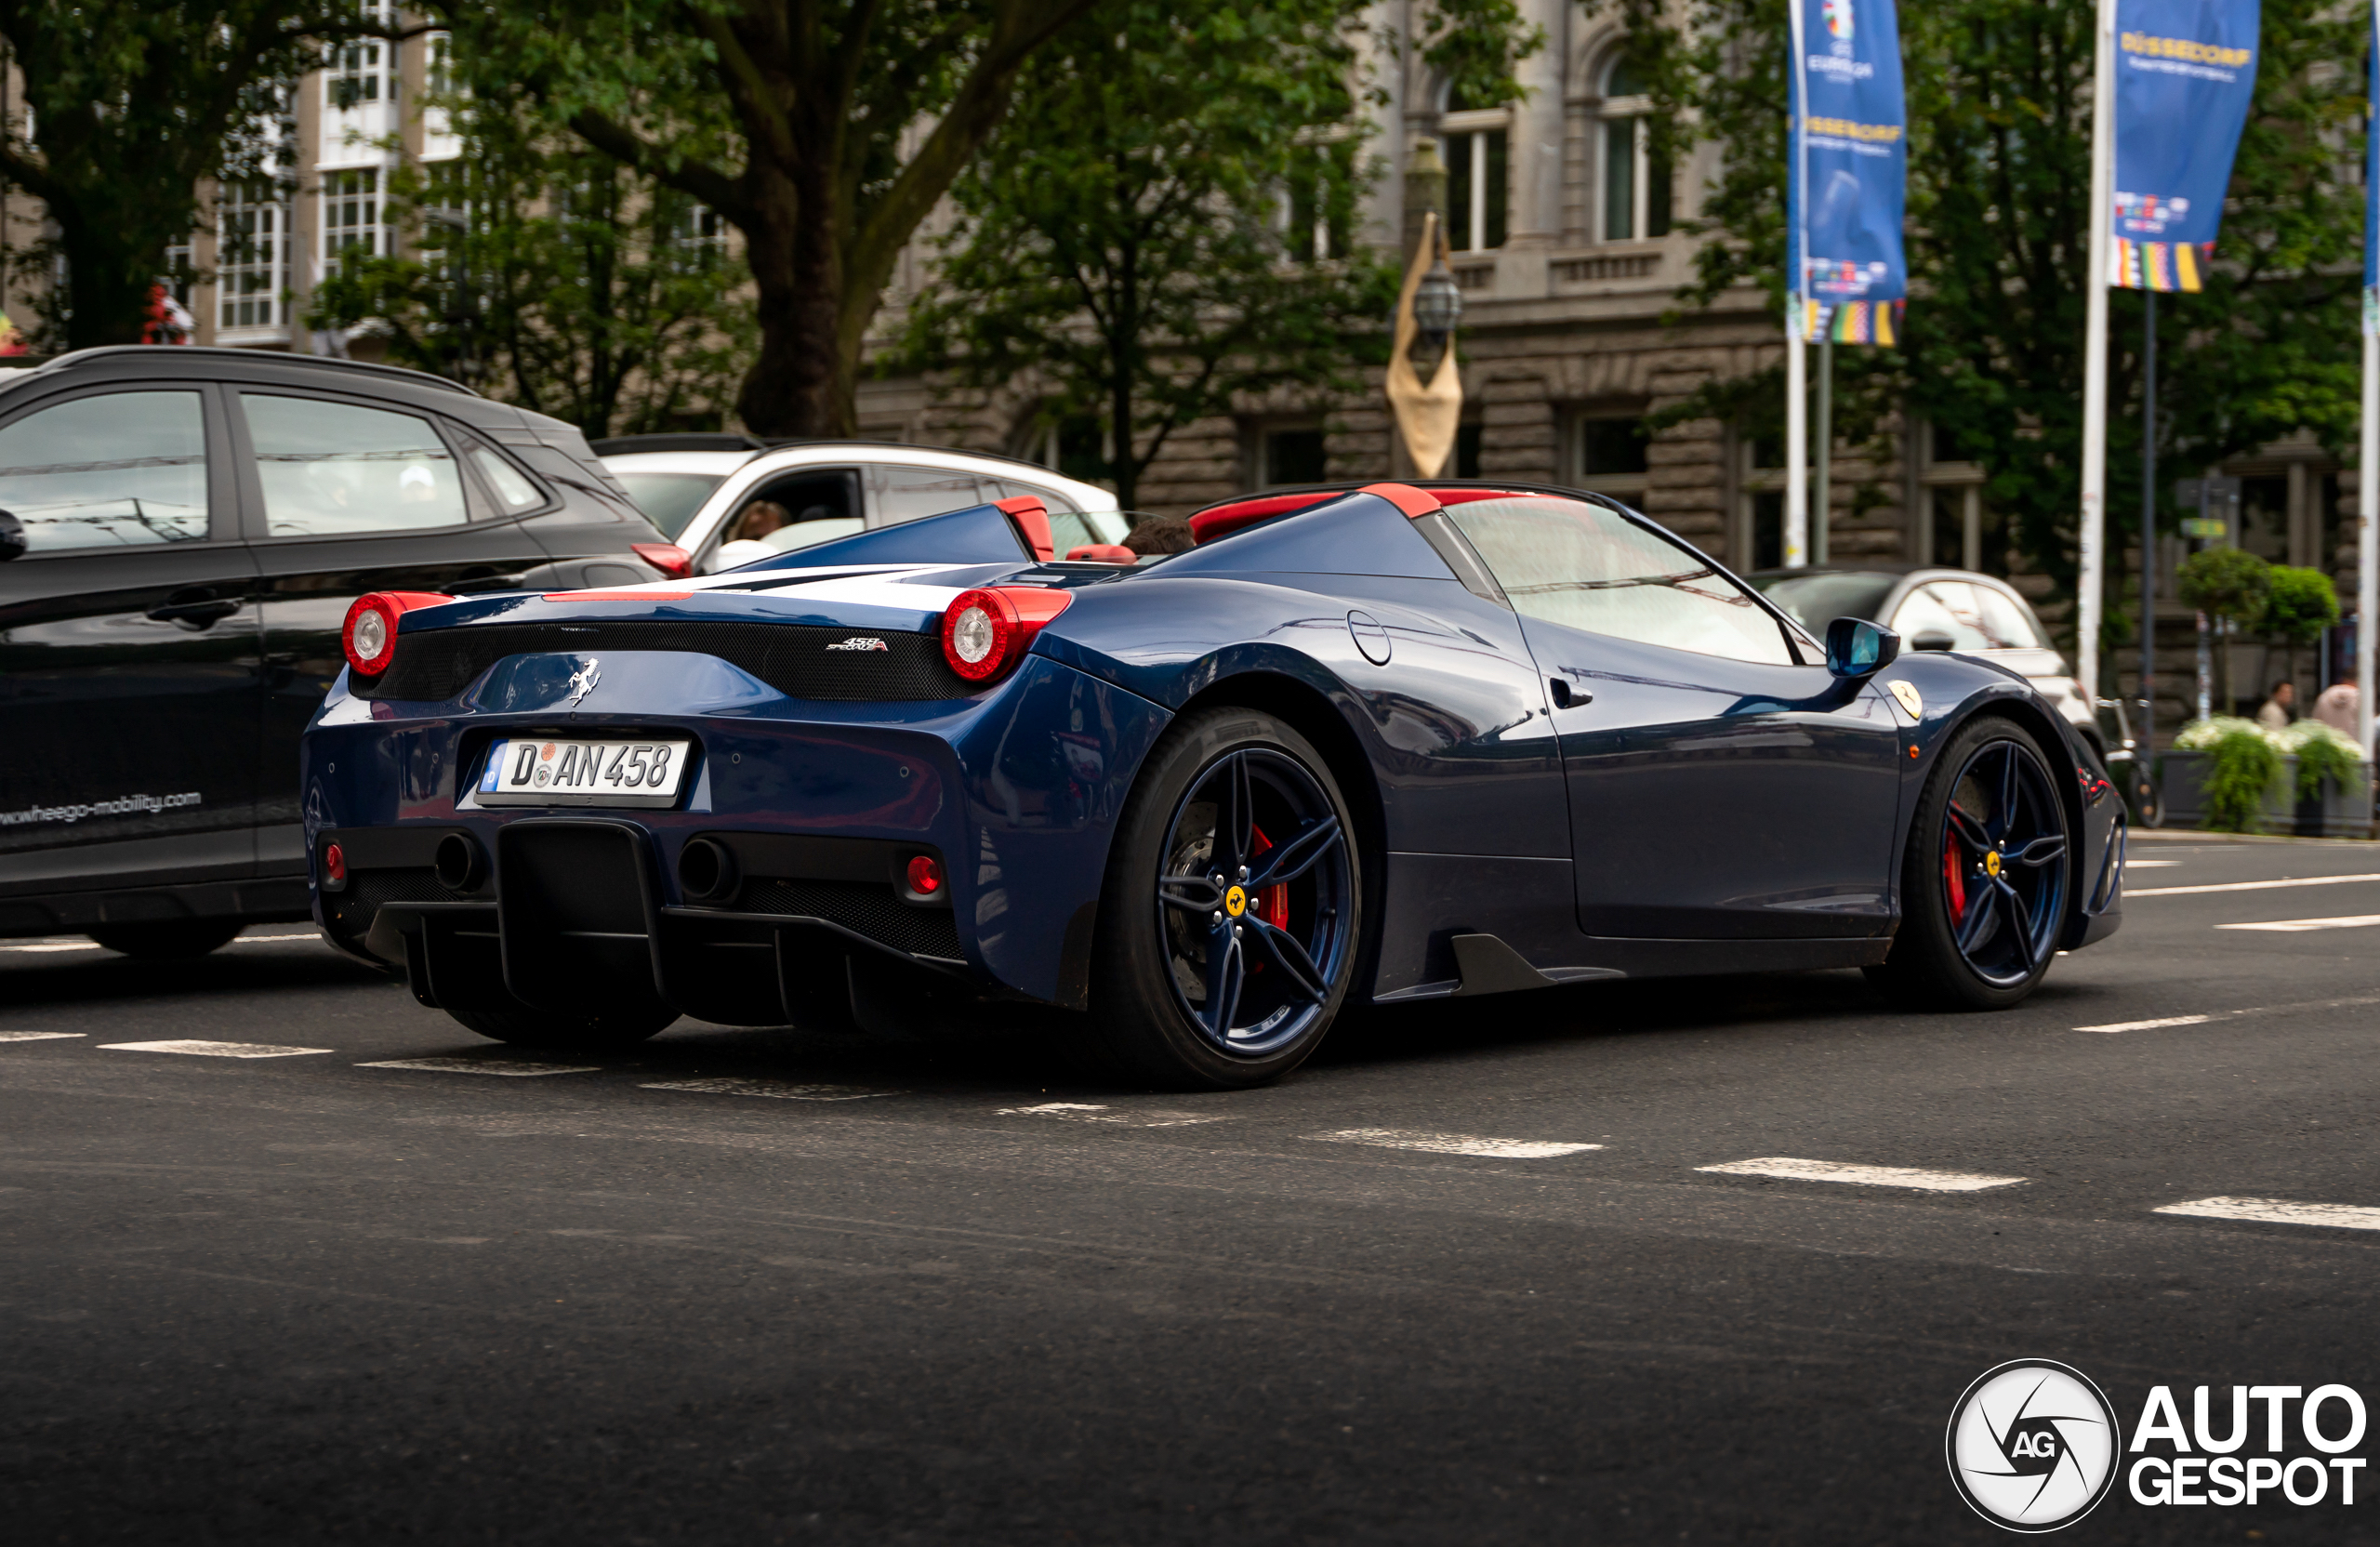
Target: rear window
(669, 499)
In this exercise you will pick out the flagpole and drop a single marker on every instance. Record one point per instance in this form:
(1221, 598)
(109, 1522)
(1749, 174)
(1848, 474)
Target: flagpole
(2090, 582)
(1822, 436)
(1797, 368)
(2366, 534)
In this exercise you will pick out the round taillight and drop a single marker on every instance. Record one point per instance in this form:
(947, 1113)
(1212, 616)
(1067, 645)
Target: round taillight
(334, 862)
(978, 633)
(370, 636)
(925, 875)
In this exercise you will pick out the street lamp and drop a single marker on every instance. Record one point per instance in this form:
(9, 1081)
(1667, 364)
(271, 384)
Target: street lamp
(1437, 305)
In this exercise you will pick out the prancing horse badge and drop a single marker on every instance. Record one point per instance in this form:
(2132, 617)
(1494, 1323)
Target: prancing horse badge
(1908, 696)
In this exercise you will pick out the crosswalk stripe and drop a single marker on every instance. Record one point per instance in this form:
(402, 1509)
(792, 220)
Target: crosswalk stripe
(782, 1089)
(1453, 1143)
(2278, 1210)
(36, 1035)
(2151, 1025)
(1870, 1176)
(2251, 886)
(213, 1049)
(482, 1066)
(1109, 1116)
(2296, 926)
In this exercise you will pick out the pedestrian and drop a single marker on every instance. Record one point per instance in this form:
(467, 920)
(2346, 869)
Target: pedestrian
(1159, 535)
(2281, 709)
(2335, 706)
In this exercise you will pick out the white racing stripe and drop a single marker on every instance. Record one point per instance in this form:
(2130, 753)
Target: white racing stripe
(2298, 926)
(1453, 1143)
(1081, 1112)
(782, 1090)
(2278, 1210)
(36, 1035)
(2152, 1026)
(2252, 886)
(482, 1066)
(213, 1049)
(1866, 1176)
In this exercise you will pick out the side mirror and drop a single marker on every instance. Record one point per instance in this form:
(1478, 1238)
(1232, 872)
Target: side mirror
(12, 537)
(1931, 639)
(1856, 647)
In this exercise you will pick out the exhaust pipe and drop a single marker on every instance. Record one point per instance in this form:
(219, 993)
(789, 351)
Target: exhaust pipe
(707, 871)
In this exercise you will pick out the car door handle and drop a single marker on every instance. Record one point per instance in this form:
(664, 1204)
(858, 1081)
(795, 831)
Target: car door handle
(200, 608)
(1565, 695)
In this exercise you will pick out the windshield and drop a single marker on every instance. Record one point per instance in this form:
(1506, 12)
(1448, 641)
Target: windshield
(669, 499)
(1815, 601)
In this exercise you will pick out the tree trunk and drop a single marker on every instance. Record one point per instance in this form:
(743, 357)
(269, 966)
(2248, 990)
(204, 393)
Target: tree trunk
(108, 285)
(800, 384)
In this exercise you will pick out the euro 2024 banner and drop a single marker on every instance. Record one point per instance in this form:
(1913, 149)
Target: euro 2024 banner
(2185, 72)
(1847, 171)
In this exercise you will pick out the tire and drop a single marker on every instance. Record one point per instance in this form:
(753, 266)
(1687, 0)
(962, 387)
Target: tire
(1202, 985)
(530, 1028)
(1978, 858)
(168, 939)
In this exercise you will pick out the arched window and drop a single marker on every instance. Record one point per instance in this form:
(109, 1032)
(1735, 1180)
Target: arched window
(1478, 181)
(1636, 184)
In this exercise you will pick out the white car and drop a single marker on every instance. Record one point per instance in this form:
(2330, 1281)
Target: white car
(1939, 609)
(697, 488)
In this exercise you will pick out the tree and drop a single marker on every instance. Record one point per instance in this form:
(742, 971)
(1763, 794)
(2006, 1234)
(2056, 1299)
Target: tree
(551, 275)
(1164, 223)
(1998, 186)
(133, 104)
(2299, 604)
(824, 130)
(2229, 585)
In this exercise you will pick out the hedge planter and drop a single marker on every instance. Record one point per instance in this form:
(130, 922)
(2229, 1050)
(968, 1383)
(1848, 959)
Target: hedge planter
(2338, 813)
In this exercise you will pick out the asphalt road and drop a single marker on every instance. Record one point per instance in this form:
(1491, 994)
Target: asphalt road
(760, 1285)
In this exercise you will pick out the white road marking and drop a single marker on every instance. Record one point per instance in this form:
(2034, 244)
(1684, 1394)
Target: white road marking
(782, 1090)
(2298, 926)
(482, 1066)
(2151, 1025)
(213, 1049)
(2131, 863)
(35, 1035)
(1079, 1112)
(1453, 1143)
(2252, 886)
(58, 945)
(1868, 1176)
(2278, 1210)
(267, 939)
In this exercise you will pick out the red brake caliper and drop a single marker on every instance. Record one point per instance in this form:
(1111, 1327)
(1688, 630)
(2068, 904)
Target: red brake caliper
(1271, 905)
(1954, 876)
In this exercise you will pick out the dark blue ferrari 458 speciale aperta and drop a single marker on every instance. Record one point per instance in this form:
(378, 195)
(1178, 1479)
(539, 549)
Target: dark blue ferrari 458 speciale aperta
(1387, 743)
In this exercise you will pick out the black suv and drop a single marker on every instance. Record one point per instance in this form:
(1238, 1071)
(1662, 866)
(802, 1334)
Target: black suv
(183, 531)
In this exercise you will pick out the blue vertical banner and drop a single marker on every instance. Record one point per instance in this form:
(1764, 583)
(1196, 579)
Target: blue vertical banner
(2372, 183)
(2185, 71)
(1846, 177)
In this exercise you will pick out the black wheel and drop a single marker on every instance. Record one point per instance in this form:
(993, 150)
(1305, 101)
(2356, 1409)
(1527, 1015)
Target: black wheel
(1230, 916)
(535, 1028)
(1989, 874)
(168, 938)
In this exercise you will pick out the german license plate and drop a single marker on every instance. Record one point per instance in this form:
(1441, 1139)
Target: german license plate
(577, 773)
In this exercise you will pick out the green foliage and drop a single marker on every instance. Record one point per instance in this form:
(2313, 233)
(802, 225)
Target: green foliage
(1999, 181)
(1164, 224)
(134, 103)
(2242, 766)
(551, 276)
(2229, 583)
(2322, 754)
(2299, 604)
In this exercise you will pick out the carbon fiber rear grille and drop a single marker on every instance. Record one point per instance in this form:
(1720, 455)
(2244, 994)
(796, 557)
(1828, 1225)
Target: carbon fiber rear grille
(790, 657)
(865, 908)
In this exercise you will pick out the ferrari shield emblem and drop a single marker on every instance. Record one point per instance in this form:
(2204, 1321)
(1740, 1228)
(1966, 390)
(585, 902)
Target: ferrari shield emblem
(1909, 698)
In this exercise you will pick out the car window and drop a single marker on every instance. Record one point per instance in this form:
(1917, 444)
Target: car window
(123, 470)
(669, 499)
(1942, 607)
(1581, 565)
(1815, 601)
(809, 534)
(907, 494)
(1051, 500)
(329, 469)
(513, 490)
(2007, 624)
